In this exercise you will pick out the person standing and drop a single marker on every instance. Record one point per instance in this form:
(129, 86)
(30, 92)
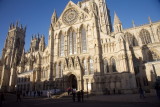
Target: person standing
(79, 96)
(82, 95)
(74, 95)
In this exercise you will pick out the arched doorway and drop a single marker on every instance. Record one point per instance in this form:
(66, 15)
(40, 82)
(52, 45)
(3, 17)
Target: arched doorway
(72, 81)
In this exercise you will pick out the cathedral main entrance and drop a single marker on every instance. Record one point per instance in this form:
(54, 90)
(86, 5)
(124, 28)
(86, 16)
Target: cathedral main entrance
(72, 81)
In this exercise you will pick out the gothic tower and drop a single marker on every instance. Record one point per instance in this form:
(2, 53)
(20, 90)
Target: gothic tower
(13, 49)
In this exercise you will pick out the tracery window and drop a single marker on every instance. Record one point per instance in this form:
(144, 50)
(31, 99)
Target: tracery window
(91, 66)
(113, 62)
(61, 70)
(83, 40)
(61, 45)
(72, 42)
(57, 70)
(145, 36)
(85, 67)
(106, 67)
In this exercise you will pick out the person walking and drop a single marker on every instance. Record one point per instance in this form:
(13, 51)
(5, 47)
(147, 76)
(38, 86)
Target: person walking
(34, 93)
(141, 93)
(18, 96)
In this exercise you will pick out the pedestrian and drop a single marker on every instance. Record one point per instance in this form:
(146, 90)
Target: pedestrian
(74, 95)
(23, 94)
(34, 93)
(26, 93)
(141, 93)
(78, 96)
(2, 98)
(82, 95)
(30, 93)
(158, 91)
(18, 96)
(69, 90)
(41, 93)
(114, 90)
(48, 94)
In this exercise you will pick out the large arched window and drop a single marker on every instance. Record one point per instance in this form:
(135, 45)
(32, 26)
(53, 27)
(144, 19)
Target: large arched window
(158, 32)
(106, 67)
(72, 42)
(145, 36)
(85, 67)
(61, 45)
(60, 70)
(91, 66)
(113, 62)
(54, 71)
(130, 39)
(57, 70)
(83, 40)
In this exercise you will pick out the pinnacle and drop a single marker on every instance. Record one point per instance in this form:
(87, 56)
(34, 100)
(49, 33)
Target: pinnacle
(116, 19)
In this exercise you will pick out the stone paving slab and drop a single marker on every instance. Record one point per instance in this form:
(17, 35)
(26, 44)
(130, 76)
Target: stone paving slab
(149, 98)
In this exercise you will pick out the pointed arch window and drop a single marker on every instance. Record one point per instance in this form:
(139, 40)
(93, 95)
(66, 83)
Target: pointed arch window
(158, 32)
(113, 62)
(57, 71)
(61, 70)
(83, 40)
(145, 36)
(72, 42)
(106, 67)
(55, 68)
(91, 66)
(85, 67)
(61, 45)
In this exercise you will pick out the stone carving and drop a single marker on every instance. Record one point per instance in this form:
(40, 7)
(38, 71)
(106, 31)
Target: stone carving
(70, 16)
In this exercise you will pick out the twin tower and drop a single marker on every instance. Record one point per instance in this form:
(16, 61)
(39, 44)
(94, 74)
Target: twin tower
(13, 52)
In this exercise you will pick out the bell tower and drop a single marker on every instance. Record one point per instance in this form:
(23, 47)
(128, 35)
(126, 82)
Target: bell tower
(11, 55)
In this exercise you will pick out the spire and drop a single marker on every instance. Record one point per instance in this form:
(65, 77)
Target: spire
(54, 17)
(150, 21)
(133, 23)
(116, 19)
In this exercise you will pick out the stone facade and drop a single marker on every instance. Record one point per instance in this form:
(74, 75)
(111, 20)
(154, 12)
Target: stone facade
(83, 52)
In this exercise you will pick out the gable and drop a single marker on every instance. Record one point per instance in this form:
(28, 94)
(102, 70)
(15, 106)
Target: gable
(71, 15)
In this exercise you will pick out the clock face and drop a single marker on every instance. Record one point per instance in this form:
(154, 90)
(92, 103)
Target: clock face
(70, 16)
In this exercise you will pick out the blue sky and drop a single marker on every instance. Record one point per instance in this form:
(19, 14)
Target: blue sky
(36, 14)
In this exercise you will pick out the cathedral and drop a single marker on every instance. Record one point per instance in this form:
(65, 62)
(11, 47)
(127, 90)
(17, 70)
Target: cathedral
(85, 51)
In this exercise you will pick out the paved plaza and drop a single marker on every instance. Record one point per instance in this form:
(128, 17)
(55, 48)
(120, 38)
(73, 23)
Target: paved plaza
(129, 100)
